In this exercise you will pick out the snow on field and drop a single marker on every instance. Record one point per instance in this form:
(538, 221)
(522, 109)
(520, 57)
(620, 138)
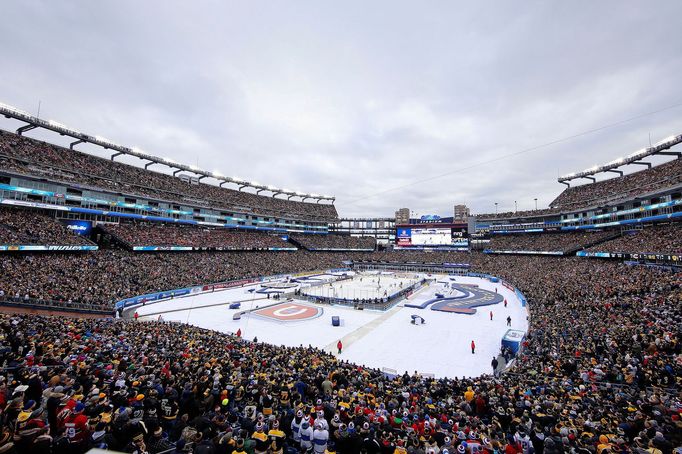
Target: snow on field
(376, 339)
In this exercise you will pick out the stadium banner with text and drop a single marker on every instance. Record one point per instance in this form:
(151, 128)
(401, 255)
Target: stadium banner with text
(151, 297)
(22, 203)
(659, 217)
(627, 256)
(162, 248)
(655, 206)
(33, 247)
(490, 251)
(78, 227)
(404, 236)
(337, 249)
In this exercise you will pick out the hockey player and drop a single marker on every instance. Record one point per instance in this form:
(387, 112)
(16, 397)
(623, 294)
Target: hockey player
(473, 347)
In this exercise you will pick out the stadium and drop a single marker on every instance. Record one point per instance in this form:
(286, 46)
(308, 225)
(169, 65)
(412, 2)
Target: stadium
(148, 305)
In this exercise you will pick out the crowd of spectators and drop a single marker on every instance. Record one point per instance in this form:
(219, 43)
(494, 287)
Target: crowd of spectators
(103, 277)
(599, 373)
(32, 157)
(661, 239)
(547, 241)
(517, 214)
(30, 227)
(621, 188)
(164, 235)
(335, 242)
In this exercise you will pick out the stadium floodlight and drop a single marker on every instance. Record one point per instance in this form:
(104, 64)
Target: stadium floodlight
(216, 173)
(56, 124)
(238, 180)
(272, 188)
(254, 183)
(193, 167)
(14, 109)
(301, 193)
(667, 139)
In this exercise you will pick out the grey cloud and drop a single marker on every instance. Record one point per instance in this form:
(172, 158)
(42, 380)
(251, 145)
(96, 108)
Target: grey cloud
(353, 98)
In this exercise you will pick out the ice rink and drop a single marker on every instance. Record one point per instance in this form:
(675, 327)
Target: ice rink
(375, 339)
(365, 286)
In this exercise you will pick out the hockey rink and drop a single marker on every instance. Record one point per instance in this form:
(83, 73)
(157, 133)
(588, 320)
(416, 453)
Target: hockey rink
(377, 339)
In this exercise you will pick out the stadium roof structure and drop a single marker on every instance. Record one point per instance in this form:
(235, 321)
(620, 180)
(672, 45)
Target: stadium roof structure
(33, 122)
(634, 158)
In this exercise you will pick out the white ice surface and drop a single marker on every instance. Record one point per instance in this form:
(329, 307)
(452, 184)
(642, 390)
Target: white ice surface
(375, 339)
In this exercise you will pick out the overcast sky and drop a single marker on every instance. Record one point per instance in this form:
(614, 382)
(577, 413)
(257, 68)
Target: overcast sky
(367, 101)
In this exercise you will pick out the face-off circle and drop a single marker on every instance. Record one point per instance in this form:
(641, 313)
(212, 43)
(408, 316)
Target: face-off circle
(289, 312)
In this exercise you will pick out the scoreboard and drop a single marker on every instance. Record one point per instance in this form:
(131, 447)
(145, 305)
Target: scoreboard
(423, 236)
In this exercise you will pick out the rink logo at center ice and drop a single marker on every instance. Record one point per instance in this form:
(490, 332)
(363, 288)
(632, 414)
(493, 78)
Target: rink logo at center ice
(289, 311)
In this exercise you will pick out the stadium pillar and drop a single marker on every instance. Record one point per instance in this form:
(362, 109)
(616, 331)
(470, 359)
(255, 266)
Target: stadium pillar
(114, 155)
(615, 171)
(648, 164)
(146, 166)
(177, 171)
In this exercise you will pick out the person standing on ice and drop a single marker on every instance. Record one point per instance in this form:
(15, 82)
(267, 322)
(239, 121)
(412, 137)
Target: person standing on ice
(491, 316)
(509, 320)
(505, 302)
(339, 345)
(473, 347)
